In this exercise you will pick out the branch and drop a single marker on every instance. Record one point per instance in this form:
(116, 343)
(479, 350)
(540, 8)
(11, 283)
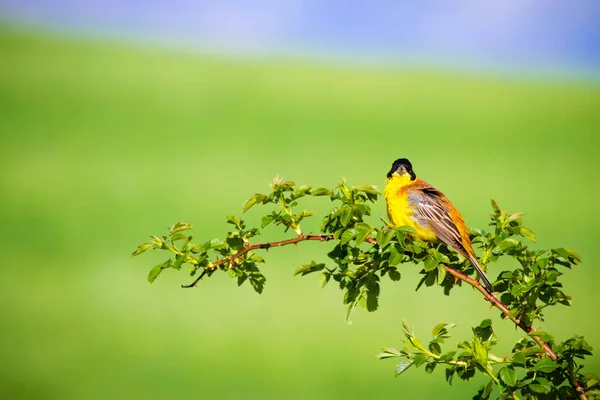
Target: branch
(506, 311)
(457, 274)
(216, 264)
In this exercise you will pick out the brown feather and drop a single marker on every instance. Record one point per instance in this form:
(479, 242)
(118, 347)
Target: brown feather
(433, 209)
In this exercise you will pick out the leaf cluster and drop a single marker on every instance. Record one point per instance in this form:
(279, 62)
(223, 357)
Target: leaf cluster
(527, 290)
(528, 373)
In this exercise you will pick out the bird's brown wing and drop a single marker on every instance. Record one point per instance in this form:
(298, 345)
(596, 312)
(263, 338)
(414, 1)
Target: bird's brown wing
(430, 209)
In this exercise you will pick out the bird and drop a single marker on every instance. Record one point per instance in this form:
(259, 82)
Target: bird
(419, 205)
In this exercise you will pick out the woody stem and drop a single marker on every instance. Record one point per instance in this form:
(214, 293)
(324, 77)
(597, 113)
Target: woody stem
(457, 274)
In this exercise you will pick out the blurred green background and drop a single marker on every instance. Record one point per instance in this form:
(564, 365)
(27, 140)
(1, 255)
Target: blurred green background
(104, 144)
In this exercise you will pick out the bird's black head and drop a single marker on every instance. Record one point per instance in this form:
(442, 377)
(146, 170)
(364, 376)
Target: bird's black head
(402, 166)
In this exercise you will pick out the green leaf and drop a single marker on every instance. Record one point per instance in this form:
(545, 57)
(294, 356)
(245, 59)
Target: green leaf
(408, 331)
(257, 281)
(590, 380)
(178, 236)
(441, 273)
(171, 248)
(350, 310)
(435, 348)
(363, 231)
(402, 366)
(266, 220)
(142, 248)
(486, 323)
(546, 337)
(192, 260)
(430, 263)
(388, 352)
(323, 279)
(507, 243)
(187, 241)
(320, 192)
(429, 279)
(438, 328)
(198, 248)
(519, 358)
(484, 392)
(495, 206)
(347, 236)
(546, 365)
(447, 356)
(419, 359)
(484, 331)
(515, 217)
(180, 226)
(395, 256)
(368, 189)
(156, 241)
(406, 229)
(309, 268)
(255, 258)
(379, 237)
(394, 275)
(541, 385)
(302, 190)
(573, 254)
(465, 373)
(372, 300)
(241, 279)
(528, 233)
(516, 290)
(155, 272)
(214, 244)
(508, 376)
(567, 254)
(305, 214)
(232, 219)
(561, 252)
(252, 201)
(343, 186)
(236, 243)
(346, 216)
(450, 371)
(430, 367)
(384, 237)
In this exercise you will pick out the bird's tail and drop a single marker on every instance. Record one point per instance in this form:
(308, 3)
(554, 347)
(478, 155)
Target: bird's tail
(486, 281)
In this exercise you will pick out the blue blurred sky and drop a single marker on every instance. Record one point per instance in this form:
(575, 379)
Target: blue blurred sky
(523, 34)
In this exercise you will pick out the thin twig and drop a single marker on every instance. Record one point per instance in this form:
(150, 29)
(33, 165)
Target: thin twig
(216, 264)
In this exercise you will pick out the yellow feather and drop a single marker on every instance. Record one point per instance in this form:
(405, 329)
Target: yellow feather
(398, 208)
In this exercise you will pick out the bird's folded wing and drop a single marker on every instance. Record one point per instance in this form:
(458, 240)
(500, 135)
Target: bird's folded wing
(432, 210)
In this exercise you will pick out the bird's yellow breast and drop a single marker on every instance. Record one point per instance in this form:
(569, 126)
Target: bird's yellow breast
(400, 209)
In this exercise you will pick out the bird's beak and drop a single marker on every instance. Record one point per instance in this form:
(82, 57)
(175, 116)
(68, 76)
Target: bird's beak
(401, 170)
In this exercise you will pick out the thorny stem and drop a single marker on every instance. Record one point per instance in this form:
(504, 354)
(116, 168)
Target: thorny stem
(216, 264)
(457, 274)
(506, 311)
